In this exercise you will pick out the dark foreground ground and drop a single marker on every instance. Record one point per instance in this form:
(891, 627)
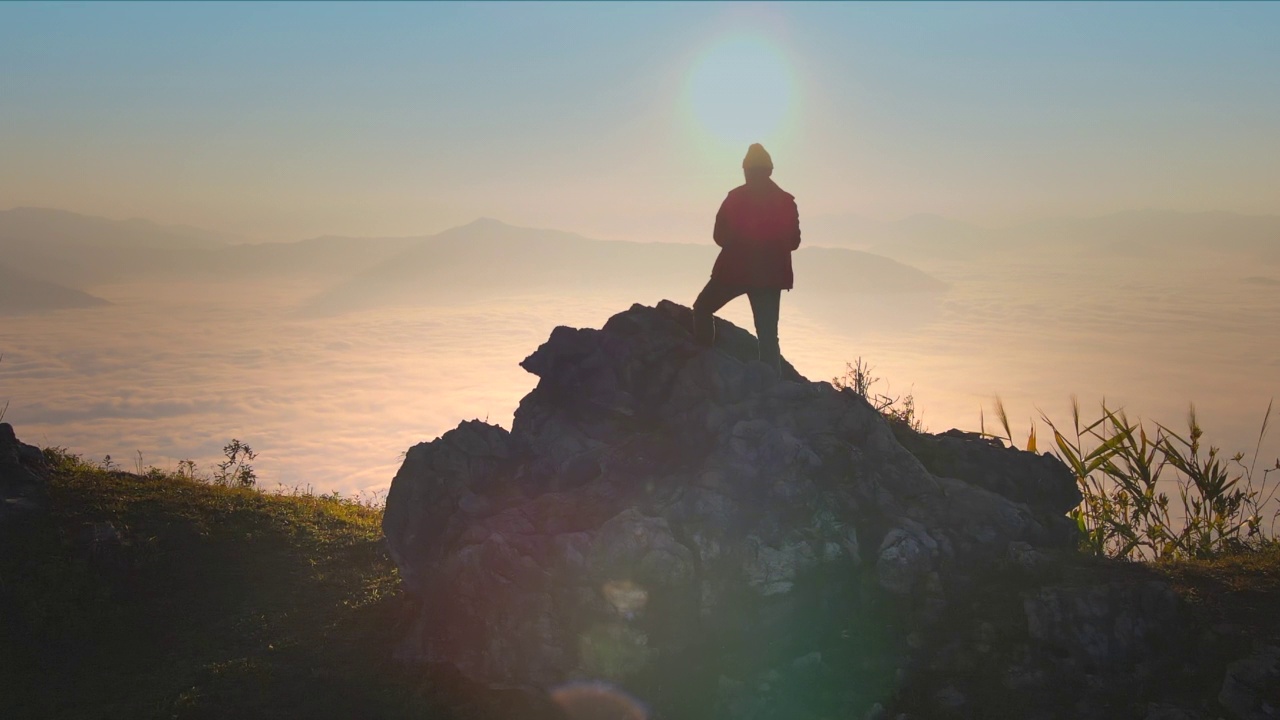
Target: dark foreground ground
(165, 597)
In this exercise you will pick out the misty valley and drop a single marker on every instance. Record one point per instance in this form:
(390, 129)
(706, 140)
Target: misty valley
(156, 344)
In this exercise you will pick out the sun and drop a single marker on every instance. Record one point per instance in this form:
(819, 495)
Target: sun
(740, 90)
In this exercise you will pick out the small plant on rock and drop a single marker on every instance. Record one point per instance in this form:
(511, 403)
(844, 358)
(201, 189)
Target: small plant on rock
(4, 409)
(187, 469)
(235, 470)
(899, 409)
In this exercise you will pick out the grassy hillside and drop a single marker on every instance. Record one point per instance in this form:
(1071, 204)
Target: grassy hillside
(204, 601)
(216, 602)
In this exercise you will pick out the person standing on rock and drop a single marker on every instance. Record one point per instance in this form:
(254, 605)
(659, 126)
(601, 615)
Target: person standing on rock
(757, 228)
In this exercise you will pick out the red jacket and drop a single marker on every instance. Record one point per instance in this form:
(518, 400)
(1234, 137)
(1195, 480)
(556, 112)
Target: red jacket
(757, 228)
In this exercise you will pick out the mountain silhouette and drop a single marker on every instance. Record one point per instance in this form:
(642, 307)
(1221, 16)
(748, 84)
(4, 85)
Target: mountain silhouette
(21, 293)
(80, 250)
(490, 259)
(1137, 234)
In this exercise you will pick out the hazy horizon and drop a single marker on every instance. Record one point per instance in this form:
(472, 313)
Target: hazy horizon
(825, 222)
(180, 361)
(628, 121)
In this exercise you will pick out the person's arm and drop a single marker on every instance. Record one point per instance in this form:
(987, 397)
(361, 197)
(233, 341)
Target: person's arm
(722, 233)
(793, 224)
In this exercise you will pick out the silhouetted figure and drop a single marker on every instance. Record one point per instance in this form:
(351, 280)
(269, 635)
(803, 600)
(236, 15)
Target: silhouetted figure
(757, 228)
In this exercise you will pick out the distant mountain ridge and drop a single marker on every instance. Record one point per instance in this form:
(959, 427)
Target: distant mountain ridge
(80, 250)
(497, 260)
(64, 226)
(1151, 234)
(483, 260)
(73, 249)
(21, 293)
(488, 258)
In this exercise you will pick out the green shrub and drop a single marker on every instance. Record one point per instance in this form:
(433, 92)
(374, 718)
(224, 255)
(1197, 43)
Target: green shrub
(1118, 464)
(236, 470)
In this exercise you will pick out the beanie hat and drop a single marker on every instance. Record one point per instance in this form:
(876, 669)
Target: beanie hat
(757, 156)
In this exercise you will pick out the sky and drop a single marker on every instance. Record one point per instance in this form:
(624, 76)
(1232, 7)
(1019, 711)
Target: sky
(628, 121)
(284, 121)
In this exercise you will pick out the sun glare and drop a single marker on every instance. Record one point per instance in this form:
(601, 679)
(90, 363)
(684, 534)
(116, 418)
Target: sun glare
(740, 90)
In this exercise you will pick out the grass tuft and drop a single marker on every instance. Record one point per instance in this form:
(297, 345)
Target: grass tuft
(1220, 504)
(899, 409)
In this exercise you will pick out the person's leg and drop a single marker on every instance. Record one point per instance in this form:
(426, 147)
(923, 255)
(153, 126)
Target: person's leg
(765, 308)
(713, 297)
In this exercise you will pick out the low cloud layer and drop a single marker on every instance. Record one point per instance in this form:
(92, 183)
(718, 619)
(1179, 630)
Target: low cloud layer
(176, 371)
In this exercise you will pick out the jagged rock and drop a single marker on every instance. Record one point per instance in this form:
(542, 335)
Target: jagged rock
(687, 521)
(1103, 627)
(1251, 689)
(1101, 642)
(451, 471)
(1041, 482)
(22, 476)
(1171, 712)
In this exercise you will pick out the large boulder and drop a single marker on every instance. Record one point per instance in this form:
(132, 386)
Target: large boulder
(22, 476)
(693, 526)
(1043, 482)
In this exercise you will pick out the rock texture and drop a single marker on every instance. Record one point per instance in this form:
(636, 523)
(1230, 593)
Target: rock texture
(728, 543)
(1251, 689)
(22, 479)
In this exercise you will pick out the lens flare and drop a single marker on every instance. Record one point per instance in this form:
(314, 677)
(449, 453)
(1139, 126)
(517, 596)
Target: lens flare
(626, 597)
(597, 701)
(740, 90)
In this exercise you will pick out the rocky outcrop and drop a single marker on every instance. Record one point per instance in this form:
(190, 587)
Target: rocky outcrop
(1042, 482)
(1102, 626)
(1251, 689)
(22, 476)
(721, 540)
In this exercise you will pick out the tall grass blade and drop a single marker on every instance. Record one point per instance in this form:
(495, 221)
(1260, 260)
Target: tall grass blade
(1004, 419)
(1256, 448)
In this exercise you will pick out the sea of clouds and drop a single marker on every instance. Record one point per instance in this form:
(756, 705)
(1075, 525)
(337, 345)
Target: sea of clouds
(174, 371)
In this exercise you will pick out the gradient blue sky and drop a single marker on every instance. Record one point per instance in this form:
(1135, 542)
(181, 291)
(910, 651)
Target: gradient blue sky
(280, 121)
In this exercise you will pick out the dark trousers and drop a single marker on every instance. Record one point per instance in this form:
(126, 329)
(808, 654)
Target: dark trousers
(764, 308)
